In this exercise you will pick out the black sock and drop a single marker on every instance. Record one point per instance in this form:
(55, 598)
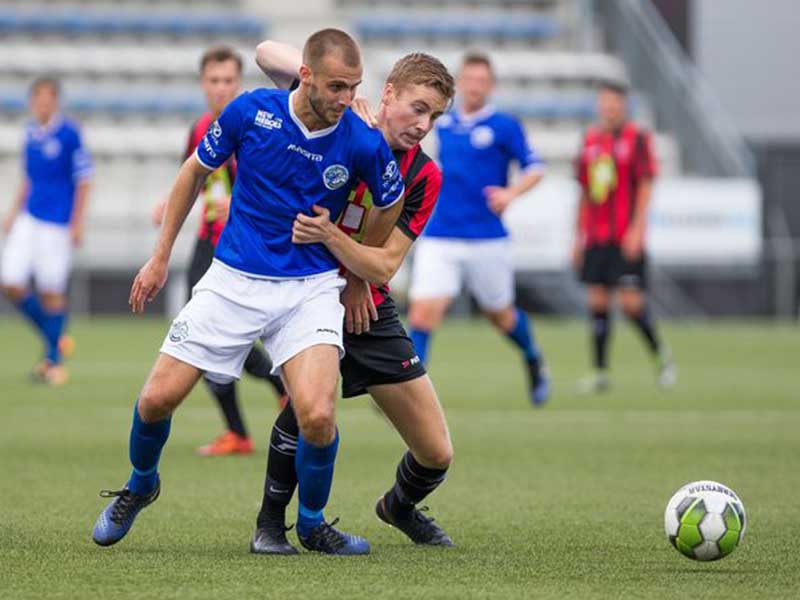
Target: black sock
(601, 328)
(225, 394)
(414, 482)
(281, 478)
(646, 327)
(258, 364)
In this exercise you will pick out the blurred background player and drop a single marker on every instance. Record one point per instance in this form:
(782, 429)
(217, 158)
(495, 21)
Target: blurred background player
(615, 169)
(220, 78)
(465, 239)
(380, 358)
(45, 223)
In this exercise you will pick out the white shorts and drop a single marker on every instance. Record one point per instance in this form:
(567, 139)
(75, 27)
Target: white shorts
(440, 266)
(40, 250)
(230, 310)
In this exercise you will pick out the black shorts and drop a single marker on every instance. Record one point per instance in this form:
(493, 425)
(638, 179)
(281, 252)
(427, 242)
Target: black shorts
(202, 256)
(605, 265)
(383, 355)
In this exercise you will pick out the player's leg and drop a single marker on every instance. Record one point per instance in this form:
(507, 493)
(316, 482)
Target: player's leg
(435, 281)
(307, 346)
(279, 485)
(169, 382)
(258, 364)
(634, 304)
(414, 410)
(490, 278)
(598, 299)
(51, 273)
(16, 271)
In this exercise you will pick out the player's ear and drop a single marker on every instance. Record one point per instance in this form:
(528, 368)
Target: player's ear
(305, 73)
(388, 93)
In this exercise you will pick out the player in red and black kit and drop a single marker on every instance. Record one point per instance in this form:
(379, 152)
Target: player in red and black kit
(220, 77)
(380, 358)
(615, 169)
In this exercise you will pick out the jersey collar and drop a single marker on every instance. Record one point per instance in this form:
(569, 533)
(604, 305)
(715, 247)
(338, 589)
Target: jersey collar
(480, 115)
(303, 129)
(40, 131)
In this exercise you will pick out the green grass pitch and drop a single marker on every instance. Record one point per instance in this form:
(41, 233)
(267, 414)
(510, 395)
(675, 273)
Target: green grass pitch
(561, 502)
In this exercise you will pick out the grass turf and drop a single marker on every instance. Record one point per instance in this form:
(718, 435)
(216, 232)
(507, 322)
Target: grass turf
(565, 501)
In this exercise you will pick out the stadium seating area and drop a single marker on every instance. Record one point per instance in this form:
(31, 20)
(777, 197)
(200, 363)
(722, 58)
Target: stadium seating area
(129, 71)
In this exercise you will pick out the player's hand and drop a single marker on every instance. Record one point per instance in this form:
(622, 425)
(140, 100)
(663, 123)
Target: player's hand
(148, 282)
(633, 244)
(577, 255)
(361, 107)
(313, 230)
(76, 234)
(359, 308)
(157, 213)
(498, 198)
(8, 221)
(222, 208)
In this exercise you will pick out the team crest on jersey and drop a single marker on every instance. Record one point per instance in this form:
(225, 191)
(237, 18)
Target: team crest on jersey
(179, 331)
(335, 176)
(51, 148)
(391, 171)
(481, 137)
(215, 130)
(268, 120)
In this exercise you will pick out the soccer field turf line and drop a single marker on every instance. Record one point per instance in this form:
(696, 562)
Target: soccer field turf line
(562, 502)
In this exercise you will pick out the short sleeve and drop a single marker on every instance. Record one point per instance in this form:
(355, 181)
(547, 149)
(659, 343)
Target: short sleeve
(223, 136)
(82, 164)
(379, 170)
(520, 150)
(645, 164)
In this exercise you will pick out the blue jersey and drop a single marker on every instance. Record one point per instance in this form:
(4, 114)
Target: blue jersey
(55, 160)
(283, 170)
(475, 152)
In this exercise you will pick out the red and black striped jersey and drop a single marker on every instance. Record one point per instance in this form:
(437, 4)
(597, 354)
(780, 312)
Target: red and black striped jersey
(218, 184)
(422, 179)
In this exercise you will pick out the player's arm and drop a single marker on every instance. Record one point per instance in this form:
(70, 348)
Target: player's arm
(579, 240)
(79, 206)
(153, 275)
(644, 170)
(280, 62)
(16, 205)
(531, 165)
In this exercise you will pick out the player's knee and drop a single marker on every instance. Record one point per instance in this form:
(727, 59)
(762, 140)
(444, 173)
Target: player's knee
(13, 293)
(317, 423)
(502, 319)
(422, 316)
(53, 302)
(156, 403)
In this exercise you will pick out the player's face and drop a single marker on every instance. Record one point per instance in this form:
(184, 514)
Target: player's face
(220, 82)
(612, 109)
(332, 87)
(409, 113)
(474, 86)
(43, 103)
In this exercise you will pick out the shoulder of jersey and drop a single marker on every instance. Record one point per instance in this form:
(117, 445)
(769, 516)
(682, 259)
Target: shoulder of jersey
(428, 164)
(363, 132)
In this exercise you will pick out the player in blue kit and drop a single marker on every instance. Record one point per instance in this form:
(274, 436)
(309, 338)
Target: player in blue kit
(45, 223)
(297, 153)
(465, 239)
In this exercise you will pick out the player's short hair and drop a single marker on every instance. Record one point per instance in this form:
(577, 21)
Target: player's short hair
(419, 68)
(218, 54)
(330, 40)
(46, 81)
(618, 86)
(477, 58)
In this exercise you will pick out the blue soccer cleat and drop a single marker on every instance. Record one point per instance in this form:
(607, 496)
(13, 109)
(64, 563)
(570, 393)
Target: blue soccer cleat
(327, 539)
(539, 382)
(117, 518)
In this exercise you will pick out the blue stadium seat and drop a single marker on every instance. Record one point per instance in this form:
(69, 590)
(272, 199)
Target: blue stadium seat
(105, 23)
(510, 28)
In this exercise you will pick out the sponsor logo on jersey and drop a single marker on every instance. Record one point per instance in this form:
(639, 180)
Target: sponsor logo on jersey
(208, 148)
(303, 152)
(178, 332)
(335, 176)
(268, 120)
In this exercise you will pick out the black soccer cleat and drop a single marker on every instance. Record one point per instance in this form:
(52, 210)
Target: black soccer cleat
(271, 539)
(419, 528)
(327, 539)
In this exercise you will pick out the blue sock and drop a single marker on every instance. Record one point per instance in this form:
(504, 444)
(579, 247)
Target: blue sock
(32, 308)
(147, 440)
(314, 468)
(522, 336)
(421, 338)
(53, 328)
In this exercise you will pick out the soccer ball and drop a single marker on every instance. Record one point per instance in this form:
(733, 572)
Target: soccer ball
(705, 520)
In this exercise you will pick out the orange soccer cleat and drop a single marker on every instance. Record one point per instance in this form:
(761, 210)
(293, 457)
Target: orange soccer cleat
(226, 444)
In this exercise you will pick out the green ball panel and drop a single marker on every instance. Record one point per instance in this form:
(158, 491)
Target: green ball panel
(683, 548)
(694, 514)
(728, 542)
(689, 535)
(731, 517)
